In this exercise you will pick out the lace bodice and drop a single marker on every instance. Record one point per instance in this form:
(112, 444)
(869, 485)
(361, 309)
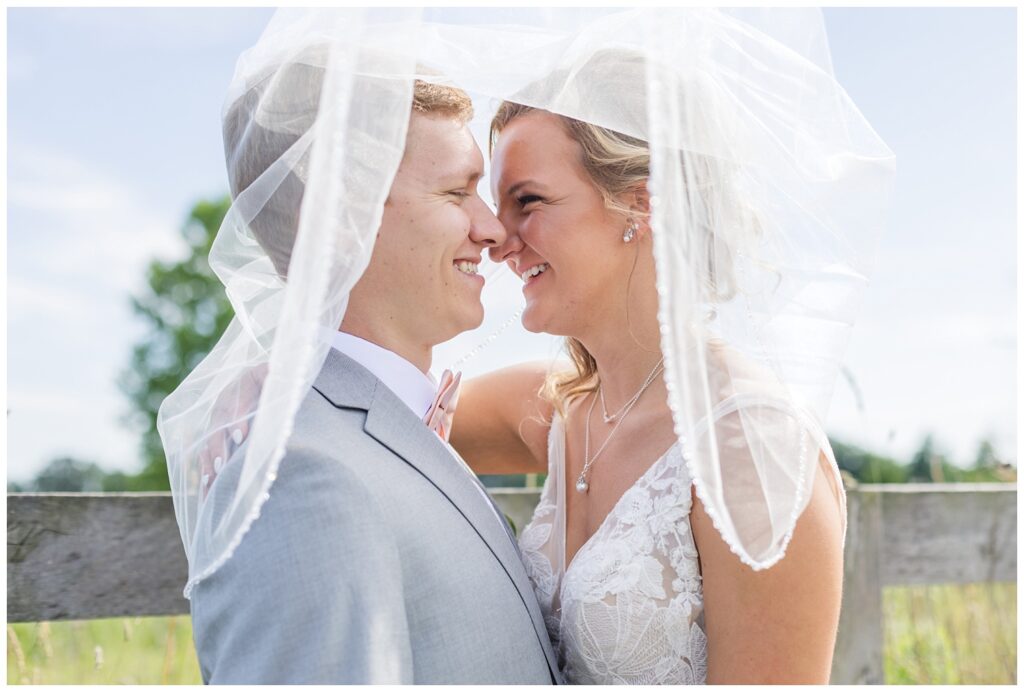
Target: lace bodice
(629, 607)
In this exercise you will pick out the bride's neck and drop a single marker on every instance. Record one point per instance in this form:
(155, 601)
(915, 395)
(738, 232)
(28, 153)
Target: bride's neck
(626, 355)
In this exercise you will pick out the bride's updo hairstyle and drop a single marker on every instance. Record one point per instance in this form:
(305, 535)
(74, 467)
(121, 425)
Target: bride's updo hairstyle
(617, 164)
(261, 131)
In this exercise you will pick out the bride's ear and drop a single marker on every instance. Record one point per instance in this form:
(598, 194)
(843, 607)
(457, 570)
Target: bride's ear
(639, 201)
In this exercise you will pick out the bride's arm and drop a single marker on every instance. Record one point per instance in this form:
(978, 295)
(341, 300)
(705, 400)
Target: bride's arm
(501, 423)
(776, 625)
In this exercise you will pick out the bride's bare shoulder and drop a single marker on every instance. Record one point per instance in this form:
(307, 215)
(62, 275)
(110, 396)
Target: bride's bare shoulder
(731, 373)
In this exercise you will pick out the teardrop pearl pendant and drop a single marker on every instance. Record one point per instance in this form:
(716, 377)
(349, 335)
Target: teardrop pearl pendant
(581, 484)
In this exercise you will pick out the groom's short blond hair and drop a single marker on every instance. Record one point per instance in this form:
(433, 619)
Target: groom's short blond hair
(440, 99)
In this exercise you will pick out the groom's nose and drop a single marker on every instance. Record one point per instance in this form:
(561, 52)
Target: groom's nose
(484, 227)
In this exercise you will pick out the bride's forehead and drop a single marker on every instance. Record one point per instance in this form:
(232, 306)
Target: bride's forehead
(527, 148)
(533, 125)
(535, 147)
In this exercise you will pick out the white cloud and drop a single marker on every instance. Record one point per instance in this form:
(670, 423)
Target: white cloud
(45, 425)
(164, 27)
(77, 219)
(79, 241)
(29, 297)
(55, 404)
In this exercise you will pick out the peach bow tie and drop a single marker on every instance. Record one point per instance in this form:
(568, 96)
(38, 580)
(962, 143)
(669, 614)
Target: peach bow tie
(442, 411)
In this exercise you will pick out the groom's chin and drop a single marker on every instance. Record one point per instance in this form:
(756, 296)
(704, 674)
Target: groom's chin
(474, 317)
(470, 317)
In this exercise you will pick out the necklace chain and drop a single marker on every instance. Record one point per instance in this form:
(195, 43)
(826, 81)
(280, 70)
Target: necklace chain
(645, 385)
(581, 483)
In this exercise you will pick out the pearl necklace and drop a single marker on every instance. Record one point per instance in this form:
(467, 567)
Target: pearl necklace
(582, 486)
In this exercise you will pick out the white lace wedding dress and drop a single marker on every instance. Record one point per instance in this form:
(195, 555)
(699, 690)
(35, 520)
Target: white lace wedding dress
(629, 608)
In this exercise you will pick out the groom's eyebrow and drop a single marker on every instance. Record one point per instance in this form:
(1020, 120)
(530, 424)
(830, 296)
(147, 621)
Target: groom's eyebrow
(464, 178)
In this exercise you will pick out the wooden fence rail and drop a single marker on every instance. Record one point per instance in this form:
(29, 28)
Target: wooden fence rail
(75, 556)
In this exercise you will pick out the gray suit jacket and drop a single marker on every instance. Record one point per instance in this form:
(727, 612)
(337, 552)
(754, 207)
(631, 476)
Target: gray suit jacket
(375, 560)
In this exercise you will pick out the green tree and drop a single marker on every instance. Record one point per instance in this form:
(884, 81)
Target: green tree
(988, 467)
(67, 475)
(923, 462)
(186, 311)
(868, 467)
(986, 456)
(931, 466)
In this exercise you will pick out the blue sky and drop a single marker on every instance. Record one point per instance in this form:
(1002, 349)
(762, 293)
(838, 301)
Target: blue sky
(114, 132)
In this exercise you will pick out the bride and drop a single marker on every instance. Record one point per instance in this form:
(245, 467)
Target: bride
(636, 584)
(635, 579)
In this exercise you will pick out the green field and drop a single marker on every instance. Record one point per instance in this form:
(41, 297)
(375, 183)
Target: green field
(130, 651)
(936, 635)
(951, 635)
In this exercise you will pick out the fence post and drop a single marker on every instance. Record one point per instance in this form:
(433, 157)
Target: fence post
(858, 654)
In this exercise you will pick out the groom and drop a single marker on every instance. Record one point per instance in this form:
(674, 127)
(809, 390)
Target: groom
(379, 557)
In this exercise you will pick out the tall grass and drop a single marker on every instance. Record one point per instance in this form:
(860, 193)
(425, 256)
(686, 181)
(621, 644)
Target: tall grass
(129, 651)
(933, 635)
(951, 635)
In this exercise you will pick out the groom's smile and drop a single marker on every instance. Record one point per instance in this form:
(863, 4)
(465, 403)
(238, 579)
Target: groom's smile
(425, 271)
(469, 269)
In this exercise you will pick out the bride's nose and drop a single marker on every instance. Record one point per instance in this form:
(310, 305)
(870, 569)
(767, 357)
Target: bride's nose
(512, 243)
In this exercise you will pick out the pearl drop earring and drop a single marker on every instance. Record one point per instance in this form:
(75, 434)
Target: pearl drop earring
(630, 233)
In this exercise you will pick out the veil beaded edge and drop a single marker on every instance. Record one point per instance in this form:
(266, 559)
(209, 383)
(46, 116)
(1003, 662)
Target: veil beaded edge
(769, 190)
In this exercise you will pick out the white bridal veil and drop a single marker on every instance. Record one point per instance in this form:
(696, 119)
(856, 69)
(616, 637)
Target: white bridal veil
(768, 188)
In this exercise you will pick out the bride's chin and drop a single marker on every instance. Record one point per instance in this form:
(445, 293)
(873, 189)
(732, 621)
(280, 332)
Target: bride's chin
(536, 322)
(532, 321)
(532, 328)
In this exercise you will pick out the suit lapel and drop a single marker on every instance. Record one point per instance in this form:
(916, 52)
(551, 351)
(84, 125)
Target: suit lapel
(347, 384)
(392, 424)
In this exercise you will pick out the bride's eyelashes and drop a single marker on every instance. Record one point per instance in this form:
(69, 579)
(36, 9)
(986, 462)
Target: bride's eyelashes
(528, 199)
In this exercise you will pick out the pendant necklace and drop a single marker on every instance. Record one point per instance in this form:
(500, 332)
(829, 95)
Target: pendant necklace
(582, 486)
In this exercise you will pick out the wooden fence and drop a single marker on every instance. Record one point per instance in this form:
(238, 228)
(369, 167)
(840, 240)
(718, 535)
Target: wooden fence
(73, 556)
